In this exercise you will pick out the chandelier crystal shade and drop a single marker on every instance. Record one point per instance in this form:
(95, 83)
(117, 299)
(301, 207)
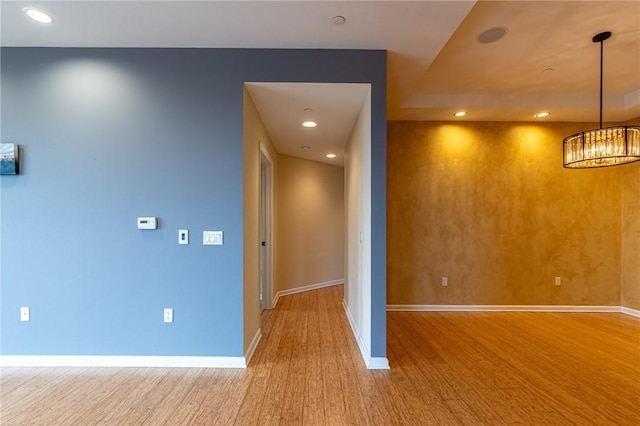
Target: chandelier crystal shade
(610, 146)
(602, 147)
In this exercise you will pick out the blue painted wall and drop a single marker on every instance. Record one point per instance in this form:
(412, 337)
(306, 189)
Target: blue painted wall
(108, 135)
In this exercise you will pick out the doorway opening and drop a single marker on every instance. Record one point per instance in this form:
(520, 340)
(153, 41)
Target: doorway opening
(274, 113)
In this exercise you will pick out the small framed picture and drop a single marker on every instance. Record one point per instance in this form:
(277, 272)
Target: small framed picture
(9, 159)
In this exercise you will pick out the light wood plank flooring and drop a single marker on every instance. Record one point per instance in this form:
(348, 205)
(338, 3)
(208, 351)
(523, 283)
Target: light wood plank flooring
(447, 369)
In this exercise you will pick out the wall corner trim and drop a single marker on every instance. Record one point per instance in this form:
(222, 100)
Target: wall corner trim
(122, 361)
(305, 288)
(372, 363)
(512, 308)
(252, 347)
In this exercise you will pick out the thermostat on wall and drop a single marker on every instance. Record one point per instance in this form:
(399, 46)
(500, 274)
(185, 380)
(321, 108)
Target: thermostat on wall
(147, 223)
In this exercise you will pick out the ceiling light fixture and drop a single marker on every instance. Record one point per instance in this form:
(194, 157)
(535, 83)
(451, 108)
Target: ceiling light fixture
(460, 114)
(308, 121)
(602, 147)
(38, 15)
(542, 114)
(331, 155)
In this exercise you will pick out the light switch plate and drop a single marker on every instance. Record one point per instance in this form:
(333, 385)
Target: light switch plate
(168, 314)
(217, 238)
(212, 238)
(183, 236)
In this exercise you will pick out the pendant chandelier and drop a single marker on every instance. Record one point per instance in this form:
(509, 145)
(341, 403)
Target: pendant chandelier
(610, 146)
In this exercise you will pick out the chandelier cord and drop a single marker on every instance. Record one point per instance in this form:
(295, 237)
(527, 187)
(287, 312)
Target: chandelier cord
(601, 71)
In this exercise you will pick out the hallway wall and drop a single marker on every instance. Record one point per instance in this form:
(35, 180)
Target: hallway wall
(311, 227)
(254, 133)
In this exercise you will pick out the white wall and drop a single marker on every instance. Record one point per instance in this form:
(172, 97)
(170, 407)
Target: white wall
(358, 211)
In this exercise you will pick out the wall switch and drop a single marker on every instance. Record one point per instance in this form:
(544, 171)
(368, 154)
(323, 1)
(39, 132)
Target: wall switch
(183, 236)
(558, 281)
(168, 314)
(212, 238)
(24, 313)
(445, 281)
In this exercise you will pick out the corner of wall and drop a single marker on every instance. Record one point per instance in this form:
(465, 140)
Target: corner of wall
(630, 239)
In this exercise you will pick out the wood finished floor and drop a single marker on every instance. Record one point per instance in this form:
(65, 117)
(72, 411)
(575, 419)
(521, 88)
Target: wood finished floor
(447, 369)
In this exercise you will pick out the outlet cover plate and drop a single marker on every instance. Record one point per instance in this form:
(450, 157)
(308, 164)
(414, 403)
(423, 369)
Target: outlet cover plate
(183, 236)
(25, 314)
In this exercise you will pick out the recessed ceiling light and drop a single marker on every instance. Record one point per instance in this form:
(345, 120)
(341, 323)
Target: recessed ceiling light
(331, 155)
(542, 114)
(460, 114)
(308, 118)
(305, 147)
(492, 35)
(38, 15)
(339, 20)
(547, 70)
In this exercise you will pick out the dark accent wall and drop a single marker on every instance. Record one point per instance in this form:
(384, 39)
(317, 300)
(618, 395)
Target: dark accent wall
(108, 135)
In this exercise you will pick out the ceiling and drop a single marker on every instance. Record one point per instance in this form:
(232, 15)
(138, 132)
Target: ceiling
(436, 66)
(335, 107)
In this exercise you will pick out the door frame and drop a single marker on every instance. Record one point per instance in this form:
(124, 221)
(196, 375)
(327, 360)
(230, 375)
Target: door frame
(266, 229)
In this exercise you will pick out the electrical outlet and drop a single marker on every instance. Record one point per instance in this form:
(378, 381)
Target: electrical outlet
(168, 314)
(25, 313)
(183, 236)
(558, 281)
(445, 281)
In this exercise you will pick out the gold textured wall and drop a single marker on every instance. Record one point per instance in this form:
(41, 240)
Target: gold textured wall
(490, 206)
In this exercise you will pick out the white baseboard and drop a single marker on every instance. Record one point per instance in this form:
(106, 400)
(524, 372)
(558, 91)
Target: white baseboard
(252, 347)
(511, 308)
(629, 311)
(372, 363)
(305, 288)
(122, 361)
(378, 363)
